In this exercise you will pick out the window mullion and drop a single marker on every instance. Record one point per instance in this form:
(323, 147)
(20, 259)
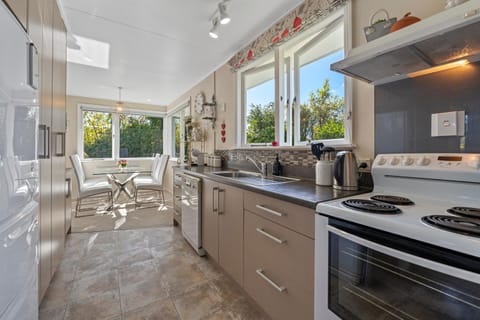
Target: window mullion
(295, 100)
(279, 94)
(115, 136)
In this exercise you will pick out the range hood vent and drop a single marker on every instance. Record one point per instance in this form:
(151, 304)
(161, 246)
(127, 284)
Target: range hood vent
(452, 36)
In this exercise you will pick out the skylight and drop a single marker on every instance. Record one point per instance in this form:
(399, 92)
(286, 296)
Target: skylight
(91, 53)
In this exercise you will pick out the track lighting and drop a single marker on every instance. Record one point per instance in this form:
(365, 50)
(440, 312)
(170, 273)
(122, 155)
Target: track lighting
(214, 32)
(220, 16)
(222, 9)
(119, 103)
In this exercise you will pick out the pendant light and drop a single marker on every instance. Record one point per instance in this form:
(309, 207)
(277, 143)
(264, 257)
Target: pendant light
(119, 103)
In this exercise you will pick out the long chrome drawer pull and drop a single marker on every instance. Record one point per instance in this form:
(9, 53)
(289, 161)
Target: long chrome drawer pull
(273, 284)
(268, 235)
(275, 213)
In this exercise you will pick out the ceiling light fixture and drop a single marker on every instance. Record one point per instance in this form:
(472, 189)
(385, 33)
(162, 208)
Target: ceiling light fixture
(119, 103)
(222, 9)
(213, 32)
(219, 16)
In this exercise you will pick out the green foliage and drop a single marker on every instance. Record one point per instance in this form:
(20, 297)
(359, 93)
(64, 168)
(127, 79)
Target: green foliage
(261, 123)
(97, 134)
(320, 118)
(140, 136)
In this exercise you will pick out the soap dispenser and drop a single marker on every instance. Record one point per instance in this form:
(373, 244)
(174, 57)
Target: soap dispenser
(277, 167)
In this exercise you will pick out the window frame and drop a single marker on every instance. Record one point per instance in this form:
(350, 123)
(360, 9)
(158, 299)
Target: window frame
(183, 109)
(286, 90)
(82, 107)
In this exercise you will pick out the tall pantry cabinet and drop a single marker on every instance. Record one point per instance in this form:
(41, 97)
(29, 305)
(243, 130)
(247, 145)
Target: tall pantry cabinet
(45, 26)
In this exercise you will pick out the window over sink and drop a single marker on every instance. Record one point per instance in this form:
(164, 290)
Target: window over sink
(291, 96)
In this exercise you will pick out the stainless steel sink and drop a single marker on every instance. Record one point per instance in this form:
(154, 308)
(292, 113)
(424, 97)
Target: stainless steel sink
(253, 178)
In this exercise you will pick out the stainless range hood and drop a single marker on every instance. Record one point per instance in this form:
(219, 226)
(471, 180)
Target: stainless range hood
(449, 38)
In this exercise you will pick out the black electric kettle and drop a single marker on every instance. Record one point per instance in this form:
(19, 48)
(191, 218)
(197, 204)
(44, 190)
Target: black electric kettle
(345, 171)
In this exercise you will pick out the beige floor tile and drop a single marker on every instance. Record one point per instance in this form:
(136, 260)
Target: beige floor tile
(52, 314)
(91, 266)
(57, 296)
(209, 269)
(198, 303)
(133, 256)
(228, 290)
(95, 285)
(159, 310)
(141, 294)
(103, 306)
(144, 273)
(139, 272)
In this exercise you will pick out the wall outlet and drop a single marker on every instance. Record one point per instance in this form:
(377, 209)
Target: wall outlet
(448, 124)
(368, 162)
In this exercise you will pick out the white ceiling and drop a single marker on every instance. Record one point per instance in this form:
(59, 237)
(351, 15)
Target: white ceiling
(160, 48)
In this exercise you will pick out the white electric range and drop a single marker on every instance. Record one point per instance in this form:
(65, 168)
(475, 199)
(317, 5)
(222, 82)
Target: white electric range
(408, 250)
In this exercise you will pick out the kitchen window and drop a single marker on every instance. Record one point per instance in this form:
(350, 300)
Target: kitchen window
(178, 131)
(106, 134)
(313, 103)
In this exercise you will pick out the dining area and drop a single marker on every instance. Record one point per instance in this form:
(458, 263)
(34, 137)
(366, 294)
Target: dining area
(119, 194)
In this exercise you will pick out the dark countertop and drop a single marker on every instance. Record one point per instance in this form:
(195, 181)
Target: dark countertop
(304, 193)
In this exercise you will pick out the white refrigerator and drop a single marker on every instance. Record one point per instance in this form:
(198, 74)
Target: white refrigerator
(19, 150)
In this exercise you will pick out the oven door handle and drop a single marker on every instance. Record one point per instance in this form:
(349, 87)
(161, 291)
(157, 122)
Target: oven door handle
(432, 265)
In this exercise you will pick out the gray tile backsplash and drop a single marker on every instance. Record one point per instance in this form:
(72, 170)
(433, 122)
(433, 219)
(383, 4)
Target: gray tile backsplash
(403, 112)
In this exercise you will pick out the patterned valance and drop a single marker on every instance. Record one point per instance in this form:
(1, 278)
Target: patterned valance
(300, 19)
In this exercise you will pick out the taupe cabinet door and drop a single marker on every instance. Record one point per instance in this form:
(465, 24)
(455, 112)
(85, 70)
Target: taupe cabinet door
(222, 226)
(210, 219)
(230, 231)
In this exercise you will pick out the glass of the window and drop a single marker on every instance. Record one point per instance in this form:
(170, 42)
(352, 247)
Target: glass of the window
(259, 104)
(320, 92)
(140, 136)
(97, 134)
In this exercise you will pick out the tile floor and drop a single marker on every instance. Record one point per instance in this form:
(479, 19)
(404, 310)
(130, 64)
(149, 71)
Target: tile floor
(140, 274)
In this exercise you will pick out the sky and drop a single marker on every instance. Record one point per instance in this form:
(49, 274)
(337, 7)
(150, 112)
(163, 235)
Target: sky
(312, 77)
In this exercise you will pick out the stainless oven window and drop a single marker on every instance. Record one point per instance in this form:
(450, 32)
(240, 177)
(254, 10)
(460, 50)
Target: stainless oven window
(365, 284)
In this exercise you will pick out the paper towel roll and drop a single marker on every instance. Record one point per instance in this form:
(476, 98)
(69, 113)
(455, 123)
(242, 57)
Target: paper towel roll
(324, 173)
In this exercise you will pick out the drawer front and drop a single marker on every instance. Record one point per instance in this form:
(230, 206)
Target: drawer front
(279, 269)
(290, 215)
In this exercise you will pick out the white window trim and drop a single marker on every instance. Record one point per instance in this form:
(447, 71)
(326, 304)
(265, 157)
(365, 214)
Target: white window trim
(115, 124)
(168, 144)
(346, 11)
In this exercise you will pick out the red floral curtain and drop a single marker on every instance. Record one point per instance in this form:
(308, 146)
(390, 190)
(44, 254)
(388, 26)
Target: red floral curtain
(300, 19)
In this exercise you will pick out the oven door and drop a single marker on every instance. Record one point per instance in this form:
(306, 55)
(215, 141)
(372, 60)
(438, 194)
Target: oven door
(365, 274)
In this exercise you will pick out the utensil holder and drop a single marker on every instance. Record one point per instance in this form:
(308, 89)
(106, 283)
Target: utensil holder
(324, 173)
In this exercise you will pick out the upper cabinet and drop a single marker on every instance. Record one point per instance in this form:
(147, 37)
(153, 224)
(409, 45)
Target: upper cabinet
(19, 8)
(445, 40)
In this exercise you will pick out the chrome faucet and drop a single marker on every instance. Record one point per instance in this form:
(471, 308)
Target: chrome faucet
(262, 168)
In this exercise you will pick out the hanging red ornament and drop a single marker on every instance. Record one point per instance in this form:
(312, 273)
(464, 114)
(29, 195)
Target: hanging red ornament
(250, 55)
(276, 39)
(285, 33)
(297, 23)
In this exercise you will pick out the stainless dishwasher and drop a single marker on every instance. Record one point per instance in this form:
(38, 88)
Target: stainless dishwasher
(192, 212)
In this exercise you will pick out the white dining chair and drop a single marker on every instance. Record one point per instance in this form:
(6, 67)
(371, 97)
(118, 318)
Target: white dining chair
(154, 182)
(89, 187)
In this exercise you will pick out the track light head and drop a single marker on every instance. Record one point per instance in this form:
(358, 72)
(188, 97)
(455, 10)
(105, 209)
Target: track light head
(214, 30)
(224, 17)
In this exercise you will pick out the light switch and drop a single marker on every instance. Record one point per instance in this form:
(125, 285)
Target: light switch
(448, 124)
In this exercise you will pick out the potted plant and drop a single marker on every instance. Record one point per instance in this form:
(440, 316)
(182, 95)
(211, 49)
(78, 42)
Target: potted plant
(122, 163)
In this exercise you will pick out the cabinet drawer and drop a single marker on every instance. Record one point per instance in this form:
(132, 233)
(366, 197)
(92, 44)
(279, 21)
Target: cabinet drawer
(279, 268)
(290, 215)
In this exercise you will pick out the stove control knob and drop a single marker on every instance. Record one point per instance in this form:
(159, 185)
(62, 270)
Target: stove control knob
(394, 161)
(423, 161)
(381, 161)
(407, 161)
